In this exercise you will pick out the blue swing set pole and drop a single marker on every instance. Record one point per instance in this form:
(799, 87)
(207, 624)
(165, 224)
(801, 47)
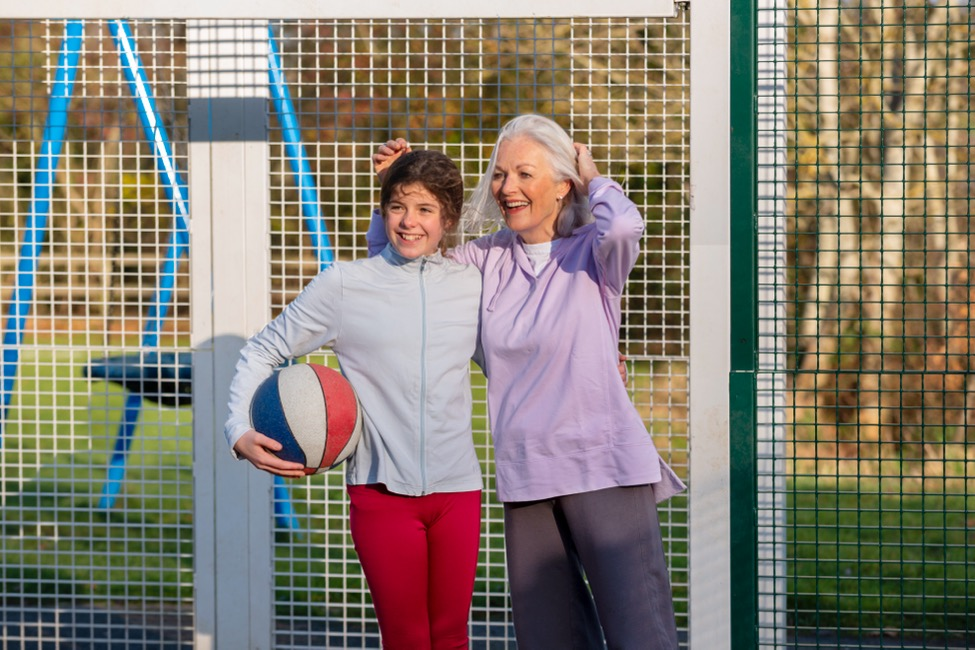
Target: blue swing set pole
(310, 205)
(35, 230)
(176, 191)
(297, 158)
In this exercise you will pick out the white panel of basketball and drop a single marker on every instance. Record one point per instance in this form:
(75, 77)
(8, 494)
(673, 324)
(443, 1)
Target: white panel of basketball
(303, 404)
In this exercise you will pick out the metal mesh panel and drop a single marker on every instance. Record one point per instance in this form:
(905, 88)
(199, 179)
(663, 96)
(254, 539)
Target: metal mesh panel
(96, 475)
(872, 251)
(620, 86)
(95, 479)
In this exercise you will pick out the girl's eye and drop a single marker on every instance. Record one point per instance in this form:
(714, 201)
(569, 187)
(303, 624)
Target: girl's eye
(497, 176)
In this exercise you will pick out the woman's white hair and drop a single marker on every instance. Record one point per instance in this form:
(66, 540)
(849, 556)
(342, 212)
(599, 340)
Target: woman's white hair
(481, 212)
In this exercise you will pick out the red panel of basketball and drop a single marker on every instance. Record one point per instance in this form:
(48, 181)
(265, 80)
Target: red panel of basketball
(342, 412)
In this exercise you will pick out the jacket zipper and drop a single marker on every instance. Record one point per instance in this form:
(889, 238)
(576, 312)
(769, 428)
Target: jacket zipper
(423, 377)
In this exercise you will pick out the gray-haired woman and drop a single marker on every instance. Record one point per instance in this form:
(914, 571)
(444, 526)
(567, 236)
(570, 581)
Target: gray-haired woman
(576, 470)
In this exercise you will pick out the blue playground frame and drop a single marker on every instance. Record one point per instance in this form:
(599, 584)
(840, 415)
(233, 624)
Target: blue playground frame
(149, 361)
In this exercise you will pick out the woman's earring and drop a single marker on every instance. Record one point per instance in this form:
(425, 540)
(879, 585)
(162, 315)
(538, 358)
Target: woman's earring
(559, 198)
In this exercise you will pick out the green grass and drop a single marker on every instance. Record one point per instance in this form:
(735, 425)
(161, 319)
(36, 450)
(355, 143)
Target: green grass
(57, 441)
(881, 561)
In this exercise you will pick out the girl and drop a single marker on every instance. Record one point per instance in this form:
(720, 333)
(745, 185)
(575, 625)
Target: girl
(403, 325)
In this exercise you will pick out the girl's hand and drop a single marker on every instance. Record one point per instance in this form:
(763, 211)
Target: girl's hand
(257, 448)
(587, 168)
(387, 154)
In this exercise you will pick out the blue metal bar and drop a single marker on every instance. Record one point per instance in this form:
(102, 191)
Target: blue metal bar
(35, 230)
(173, 184)
(310, 210)
(297, 158)
(176, 191)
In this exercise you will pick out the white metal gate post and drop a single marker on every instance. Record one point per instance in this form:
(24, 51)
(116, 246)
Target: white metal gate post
(709, 519)
(771, 383)
(227, 81)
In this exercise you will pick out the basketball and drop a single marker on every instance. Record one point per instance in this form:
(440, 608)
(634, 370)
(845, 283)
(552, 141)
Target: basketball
(312, 411)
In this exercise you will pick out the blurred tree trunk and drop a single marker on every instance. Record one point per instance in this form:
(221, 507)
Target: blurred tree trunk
(883, 190)
(816, 340)
(959, 145)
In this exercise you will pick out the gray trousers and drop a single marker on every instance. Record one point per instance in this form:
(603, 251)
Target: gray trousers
(610, 537)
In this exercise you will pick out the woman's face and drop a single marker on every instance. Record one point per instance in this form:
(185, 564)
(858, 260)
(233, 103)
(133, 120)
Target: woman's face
(524, 187)
(414, 221)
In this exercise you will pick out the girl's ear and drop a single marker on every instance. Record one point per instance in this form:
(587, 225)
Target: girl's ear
(449, 225)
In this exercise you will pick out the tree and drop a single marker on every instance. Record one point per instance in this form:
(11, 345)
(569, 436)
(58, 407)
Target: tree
(881, 192)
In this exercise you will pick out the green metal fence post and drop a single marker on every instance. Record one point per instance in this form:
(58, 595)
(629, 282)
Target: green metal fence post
(744, 328)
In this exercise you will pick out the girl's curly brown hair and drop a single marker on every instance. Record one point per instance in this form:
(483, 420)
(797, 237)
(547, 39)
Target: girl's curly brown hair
(437, 173)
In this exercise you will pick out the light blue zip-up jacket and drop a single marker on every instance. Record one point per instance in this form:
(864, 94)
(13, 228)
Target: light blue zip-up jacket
(404, 332)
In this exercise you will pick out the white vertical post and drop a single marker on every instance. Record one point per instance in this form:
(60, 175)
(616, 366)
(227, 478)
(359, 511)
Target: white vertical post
(709, 518)
(771, 385)
(227, 82)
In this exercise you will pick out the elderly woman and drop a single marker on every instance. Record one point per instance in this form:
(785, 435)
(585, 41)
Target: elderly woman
(577, 472)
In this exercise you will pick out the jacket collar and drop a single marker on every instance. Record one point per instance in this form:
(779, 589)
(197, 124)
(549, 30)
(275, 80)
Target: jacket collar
(395, 259)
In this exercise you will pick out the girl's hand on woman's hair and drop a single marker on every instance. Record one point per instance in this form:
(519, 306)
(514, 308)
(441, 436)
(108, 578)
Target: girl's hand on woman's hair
(387, 154)
(587, 168)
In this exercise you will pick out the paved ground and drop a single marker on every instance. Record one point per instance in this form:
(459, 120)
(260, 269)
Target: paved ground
(24, 626)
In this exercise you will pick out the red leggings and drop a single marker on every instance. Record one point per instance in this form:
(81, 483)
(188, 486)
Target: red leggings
(419, 555)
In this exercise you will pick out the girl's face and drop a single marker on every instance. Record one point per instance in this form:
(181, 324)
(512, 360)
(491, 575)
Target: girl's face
(523, 185)
(414, 221)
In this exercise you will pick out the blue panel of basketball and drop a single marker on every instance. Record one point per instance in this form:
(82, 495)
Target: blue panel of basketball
(267, 417)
